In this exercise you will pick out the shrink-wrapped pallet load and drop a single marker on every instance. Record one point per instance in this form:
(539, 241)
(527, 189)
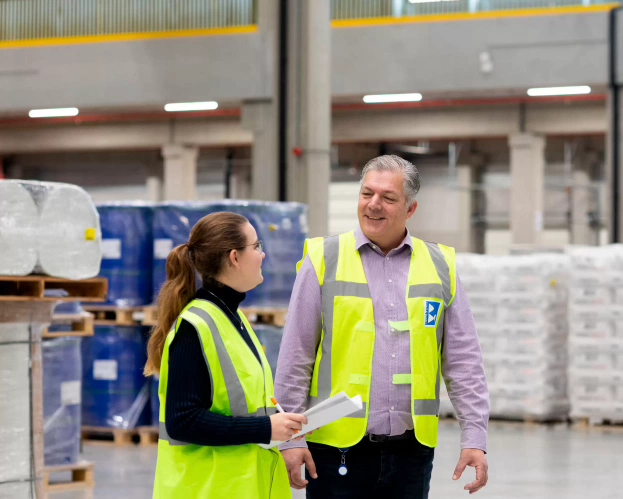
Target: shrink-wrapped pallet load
(596, 333)
(520, 308)
(19, 217)
(21, 431)
(48, 228)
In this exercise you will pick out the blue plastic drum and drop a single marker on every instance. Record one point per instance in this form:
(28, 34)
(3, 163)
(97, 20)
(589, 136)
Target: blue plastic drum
(282, 226)
(127, 252)
(115, 392)
(172, 225)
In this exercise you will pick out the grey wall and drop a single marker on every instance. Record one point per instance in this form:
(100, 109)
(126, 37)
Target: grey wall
(140, 73)
(444, 57)
(427, 57)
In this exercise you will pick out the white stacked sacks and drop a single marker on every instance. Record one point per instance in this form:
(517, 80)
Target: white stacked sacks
(520, 308)
(596, 333)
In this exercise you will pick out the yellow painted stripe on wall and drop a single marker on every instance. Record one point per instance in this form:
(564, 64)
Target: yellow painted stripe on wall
(128, 37)
(466, 16)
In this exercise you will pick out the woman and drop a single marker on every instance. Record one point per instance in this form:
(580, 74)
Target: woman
(215, 382)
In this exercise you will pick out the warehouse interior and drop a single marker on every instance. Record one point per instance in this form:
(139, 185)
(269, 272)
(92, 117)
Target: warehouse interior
(133, 119)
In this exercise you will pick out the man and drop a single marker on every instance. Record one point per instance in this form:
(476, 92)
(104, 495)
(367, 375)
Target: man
(379, 314)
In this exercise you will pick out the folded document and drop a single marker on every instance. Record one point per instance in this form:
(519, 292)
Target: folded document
(325, 413)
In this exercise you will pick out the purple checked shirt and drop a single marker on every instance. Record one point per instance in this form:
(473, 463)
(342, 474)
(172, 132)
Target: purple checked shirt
(390, 404)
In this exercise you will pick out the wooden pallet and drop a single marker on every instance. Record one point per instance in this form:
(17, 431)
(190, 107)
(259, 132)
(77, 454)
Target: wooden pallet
(99, 435)
(529, 419)
(82, 477)
(148, 435)
(81, 325)
(148, 316)
(599, 424)
(33, 287)
(261, 315)
(109, 315)
(272, 316)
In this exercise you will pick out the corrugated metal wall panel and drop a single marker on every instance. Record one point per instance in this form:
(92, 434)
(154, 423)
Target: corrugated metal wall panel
(38, 19)
(362, 9)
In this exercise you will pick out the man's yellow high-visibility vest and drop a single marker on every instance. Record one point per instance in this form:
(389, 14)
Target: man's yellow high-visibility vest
(241, 387)
(344, 358)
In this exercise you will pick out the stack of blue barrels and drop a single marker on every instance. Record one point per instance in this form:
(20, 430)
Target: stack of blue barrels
(173, 222)
(137, 239)
(127, 252)
(281, 226)
(115, 393)
(62, 373)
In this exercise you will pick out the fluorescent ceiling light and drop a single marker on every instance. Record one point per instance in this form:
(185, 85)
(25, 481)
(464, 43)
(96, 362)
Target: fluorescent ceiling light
(191, 106)
(378, 99)
(542, 92)
(53, 113)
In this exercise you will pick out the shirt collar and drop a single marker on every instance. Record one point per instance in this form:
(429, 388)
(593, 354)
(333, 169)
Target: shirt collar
(362, 239)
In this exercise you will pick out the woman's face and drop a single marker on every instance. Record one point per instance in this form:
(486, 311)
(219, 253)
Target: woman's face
(250, 259)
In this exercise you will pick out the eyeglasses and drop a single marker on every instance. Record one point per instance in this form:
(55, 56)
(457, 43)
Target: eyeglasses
(258, 246)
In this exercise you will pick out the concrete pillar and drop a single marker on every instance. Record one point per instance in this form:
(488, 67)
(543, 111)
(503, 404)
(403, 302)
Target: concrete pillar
(154, 189)
(241, 183)
(309, 110)
(470, 239)
(153, 183)
(582, 202)
(527, 158)
(261, 118)
(180, 172)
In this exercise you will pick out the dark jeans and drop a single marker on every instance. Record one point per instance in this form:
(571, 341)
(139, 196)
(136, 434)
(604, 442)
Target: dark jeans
(397, 469)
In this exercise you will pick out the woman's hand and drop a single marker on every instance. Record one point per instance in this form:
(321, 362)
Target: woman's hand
(285, 425)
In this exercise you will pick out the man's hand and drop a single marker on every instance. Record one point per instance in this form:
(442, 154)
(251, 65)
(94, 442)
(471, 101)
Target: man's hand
(477, 459)
(295, 458)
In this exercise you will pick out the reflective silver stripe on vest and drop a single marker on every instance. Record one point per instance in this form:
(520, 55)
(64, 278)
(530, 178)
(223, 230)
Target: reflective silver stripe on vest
(443, 271)
(426, 407)
(331, 252)
(164, 435)
(426, 291)
(235, 392)
(203, 351)
(341, 288)
(430, 407)
(440, 329)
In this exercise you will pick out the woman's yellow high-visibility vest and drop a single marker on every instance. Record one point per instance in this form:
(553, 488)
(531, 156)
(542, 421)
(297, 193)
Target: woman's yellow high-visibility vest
(344, 358)
(241, 387)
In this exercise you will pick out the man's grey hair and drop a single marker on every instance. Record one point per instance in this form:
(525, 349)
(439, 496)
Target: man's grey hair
(396, 164)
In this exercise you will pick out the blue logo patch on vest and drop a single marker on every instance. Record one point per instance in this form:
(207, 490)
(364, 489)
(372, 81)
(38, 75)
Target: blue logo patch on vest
(431, 313)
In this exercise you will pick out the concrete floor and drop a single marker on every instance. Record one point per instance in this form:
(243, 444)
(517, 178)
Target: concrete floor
(534, 462)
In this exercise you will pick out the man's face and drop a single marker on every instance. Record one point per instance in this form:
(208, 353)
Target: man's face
(383, 210)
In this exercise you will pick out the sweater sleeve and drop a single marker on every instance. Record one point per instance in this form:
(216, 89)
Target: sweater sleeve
(189, 398)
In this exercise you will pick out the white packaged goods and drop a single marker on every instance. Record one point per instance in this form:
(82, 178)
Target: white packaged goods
(519, 304)
(16, 392)
(18, 214)
(48, 228)
(596, 332)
